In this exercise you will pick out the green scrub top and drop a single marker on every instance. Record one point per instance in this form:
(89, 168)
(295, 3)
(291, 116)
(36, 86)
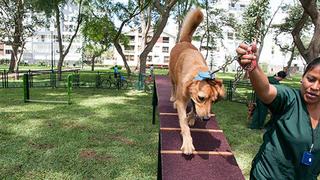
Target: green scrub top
(261, 111)
(284, 142)
(273, 80)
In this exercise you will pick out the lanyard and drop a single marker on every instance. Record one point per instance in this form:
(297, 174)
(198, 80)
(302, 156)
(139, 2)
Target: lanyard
(314, 137)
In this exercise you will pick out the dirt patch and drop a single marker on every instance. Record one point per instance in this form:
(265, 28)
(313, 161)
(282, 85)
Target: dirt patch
(92, 154)
(88, 154)
(42, 146)
(104, 157)
(121, 139)
(74, 125)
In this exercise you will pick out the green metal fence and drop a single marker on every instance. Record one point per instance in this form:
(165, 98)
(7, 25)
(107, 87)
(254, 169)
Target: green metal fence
(107, 80)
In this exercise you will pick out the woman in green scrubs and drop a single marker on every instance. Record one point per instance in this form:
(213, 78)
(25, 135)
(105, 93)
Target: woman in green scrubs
(261, 111)
(291, 144)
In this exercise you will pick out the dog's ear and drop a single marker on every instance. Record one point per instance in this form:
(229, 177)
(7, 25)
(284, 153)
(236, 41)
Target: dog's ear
(188, 87)
(218, 89)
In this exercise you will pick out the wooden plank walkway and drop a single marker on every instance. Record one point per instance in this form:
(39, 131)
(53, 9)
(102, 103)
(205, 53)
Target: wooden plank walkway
(213, 158)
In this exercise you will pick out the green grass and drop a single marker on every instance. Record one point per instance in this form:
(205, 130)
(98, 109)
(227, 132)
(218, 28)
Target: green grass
(244, 142)
(104, 134)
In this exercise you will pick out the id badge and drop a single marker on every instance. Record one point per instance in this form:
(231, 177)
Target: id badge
(307, 158)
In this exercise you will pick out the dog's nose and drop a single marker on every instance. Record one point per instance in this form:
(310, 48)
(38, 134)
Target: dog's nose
(206, 118)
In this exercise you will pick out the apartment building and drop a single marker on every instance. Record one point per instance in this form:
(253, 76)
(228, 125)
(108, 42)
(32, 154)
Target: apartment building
(42, 47)
(161, 50)
(158, 56)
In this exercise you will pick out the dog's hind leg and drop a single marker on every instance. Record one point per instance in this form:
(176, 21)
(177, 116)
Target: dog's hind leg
(173, 93)
(187, 145)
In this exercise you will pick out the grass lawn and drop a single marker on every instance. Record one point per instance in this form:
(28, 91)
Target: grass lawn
(104, 134)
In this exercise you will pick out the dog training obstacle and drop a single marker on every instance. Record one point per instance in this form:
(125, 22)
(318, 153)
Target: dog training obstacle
(26, 90)
(212, 159)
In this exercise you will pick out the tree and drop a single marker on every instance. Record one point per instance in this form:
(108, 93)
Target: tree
(283, 31)
(215, 20)
(312, 49)
(98, 34)
(17, 24)
(125, 13)
(163, 9)
(180, 11)
(256, 25)
(55, 8)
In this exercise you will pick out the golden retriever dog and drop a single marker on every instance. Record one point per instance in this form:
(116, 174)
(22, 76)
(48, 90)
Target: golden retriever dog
(191, 80)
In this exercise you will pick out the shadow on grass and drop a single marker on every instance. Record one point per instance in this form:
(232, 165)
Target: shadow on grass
(103, 134)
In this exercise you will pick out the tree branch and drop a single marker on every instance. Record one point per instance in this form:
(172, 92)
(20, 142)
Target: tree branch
(296, 34)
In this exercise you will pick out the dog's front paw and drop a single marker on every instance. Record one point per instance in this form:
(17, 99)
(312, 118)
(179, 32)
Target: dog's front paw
(191, 120)
(174, 105)
(187, 147)
(172, 99)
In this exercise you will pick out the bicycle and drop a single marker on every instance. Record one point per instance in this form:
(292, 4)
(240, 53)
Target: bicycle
(148, 82)
(110, 82)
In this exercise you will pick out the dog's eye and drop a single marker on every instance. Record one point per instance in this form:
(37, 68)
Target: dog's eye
(201, 98)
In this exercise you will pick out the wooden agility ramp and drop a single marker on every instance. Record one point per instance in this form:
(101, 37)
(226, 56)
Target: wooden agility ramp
(213, 158)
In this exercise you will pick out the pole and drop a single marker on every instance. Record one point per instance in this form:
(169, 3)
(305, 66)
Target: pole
(70, 77)
(51, 52)
(26, 88)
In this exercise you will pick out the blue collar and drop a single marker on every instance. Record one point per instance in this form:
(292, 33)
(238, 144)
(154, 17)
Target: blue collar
(204, 75)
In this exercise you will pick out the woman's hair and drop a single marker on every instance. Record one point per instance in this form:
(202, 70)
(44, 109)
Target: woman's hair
(312, 65)
(281, 74)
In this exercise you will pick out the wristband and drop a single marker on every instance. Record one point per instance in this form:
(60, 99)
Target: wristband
(251, 67)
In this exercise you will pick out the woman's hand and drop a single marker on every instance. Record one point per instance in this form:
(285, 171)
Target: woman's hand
(247, 59)
(247, 55)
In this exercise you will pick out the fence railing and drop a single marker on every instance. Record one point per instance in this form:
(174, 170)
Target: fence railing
(243, 93)
(44, 78)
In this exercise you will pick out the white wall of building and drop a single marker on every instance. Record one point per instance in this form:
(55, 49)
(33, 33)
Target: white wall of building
(43, 46)
(39, 48)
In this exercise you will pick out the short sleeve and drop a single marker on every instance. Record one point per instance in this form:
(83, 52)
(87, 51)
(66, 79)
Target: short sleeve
(284, 99)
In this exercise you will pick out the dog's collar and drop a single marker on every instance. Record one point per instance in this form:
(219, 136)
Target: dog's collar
(204, 75)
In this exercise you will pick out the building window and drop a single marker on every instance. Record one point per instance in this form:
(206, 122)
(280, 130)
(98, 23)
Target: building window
(130, 57)
(165, 49)
(149, 58)
(232, 5)
(230, 35)
(131, 38)
(8, 51)
(166, 59)
(42, 38)
(129, 48)
(165, 39)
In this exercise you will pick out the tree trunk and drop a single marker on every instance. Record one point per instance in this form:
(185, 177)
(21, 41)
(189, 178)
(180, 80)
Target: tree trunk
(119, 49)
(64, 51)
(12, 61)
(58, 24)
(165, 13)
(310, 9)
(92, 62)
(145, 26)
(290, 61)
(18, 28)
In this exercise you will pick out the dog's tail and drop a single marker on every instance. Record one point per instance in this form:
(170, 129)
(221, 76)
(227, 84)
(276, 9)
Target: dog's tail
(190, 24)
